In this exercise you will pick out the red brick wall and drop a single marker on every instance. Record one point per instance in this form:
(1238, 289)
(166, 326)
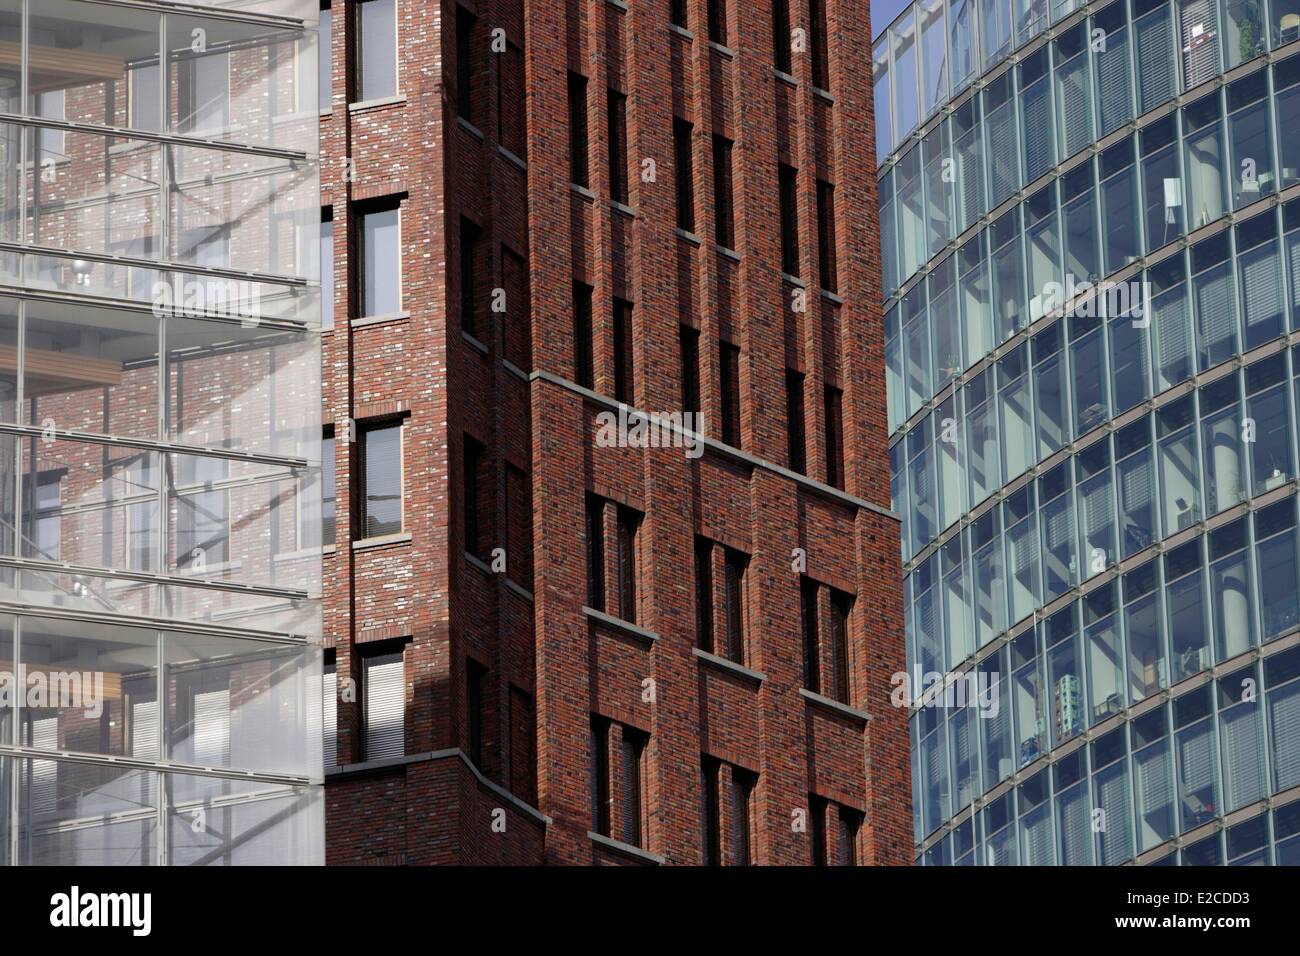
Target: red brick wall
(533, 636)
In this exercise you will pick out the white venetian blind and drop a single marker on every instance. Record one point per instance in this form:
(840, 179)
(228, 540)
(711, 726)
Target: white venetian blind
(329, 695)
(385, 706)
(211, 731)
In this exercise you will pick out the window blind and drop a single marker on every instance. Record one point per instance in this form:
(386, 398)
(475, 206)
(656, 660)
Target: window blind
(144, 728)
(329, 696)
(1037, 126)
(1152, 771)
(211, 730)
(1112, 82)
(45, 773)
(1037, 833)
(1284, 728)
(1216, 315)
(1195, 760)
(385, 707)
(1155, 60)
(1243, 770)
(1261, 290)
(1075, 106)
(1076, 827)
(1112, 798)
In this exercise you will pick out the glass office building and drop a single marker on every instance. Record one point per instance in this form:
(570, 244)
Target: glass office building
(160, 433)
(1098, 491)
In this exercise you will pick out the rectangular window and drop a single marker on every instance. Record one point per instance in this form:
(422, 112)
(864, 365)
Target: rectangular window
(817, 807)
(516, 282)
(818, 42)
(376, 49)
(512, 103)
(473, 462)
(44, 514)
(144, 98)
(781, 35)
(711, 822)
(325, 59)
(633, 811)
(465, 71)
(519, 526)
(827, 252)
(329, 703)
(383, 706)
(742, 791)
(600, 775)
(811, 635)
(690, 348)
(595, 534)
(618, 184)
(789, 194)
(722, 182)
(718, 21)
(582, 332)
(469, 243)
(381, 480)
(381, 255)
(328, 529)
(683, 136)
(729, 372)
(327, 268)
(578, 146)
(850, 825)
(841, 607)
(202, 517)
(475, 676)
(203, 94)
(678, 13)
(704, 594)
(834, 437)
(624, 368)
(736, 567)
(523, 747)
(794, 415)
(629, 523)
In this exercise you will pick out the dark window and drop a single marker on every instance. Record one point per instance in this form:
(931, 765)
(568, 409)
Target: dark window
(518, 329)
(730, 381)
(633, 792)
(827, 255)
(834, 438)
(725, 216)
(465, 22)
(519, 526)
(475, 676)
(690, 342)
(704, 593)
(512, 105)
(326, 265)
(683, 135)
(469, 244)
(582, 361)
(850, 824)
(794, 414)
(718, 21)
(473, 462)
(781, 35)
(678, 13)
(376, 49)
(381, 480)
(578, 163)
(817, 807)
(742, 790)
(789, 188)
(600, 775)
(808, 624)
(736, 565)
(624, 369)
(817, 40)
(523, 753)
(618, 185)
(595, 553)
(711, 824)
(629, 523)
(841, 607)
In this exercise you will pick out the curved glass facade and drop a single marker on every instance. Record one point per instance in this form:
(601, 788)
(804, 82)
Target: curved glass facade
(160, 433)
(1090, 221)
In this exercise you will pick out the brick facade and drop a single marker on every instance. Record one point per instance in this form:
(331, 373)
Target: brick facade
(550, 664)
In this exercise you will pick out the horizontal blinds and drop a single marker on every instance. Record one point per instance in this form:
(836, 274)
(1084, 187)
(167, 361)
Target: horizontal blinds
(1261, 285)
(1112, 799)
(1112, 82)
(1155, 60)
(329, 716)
(1284, 728)
(212, 728)
(1215, 308)
(1242, 764)
(144, 728)
(385, 707)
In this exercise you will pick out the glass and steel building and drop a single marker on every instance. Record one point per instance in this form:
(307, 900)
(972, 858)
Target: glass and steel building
(160, 433)
(1097, 482)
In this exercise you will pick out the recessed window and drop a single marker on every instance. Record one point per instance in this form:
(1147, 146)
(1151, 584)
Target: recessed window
(711, 812)
(381, 480)
(850, 826)
(327, 268)
(512, 110)
(729, 372)
(629, 524)
(690, 349)
(678, 13)
(381, 277)
(827, 254)
(736, 567)
(817, 807)
(834, 437)
(781, 35)
(817, 41)
(329, 699)
(465, 72)
(618, 158)
(472, 463)
(717, 10)
(475, 679)
(725, 225)
(704, 594)
(595, 535)
(633, 791)
(376, 26)
(742, 798)
(624, 368)
(683, 135)
(325, 59)
(469, 249)
(794, 415)
(383, 706)
(578, 142)
(811, 635)
(310, 535)
(582, 332)
(600, 799)
(788, 179)
(841, 608)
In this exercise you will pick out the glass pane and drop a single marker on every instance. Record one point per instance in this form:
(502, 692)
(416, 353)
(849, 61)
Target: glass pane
(114, 809)
(381, 244)
(377, 45)
(258, 826)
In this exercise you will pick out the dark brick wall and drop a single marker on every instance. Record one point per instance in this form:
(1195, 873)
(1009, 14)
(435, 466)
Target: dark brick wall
(550, 666)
